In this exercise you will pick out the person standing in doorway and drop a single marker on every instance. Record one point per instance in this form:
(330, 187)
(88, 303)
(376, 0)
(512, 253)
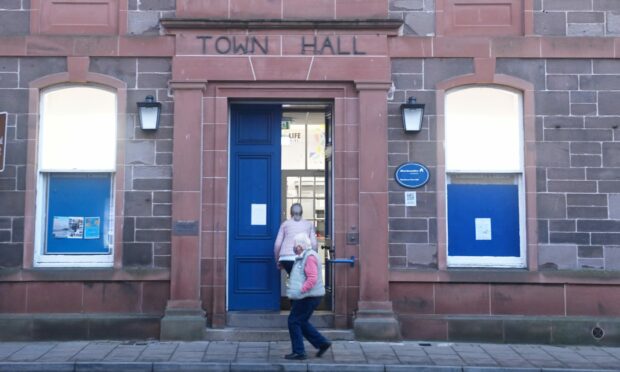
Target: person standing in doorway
(284, 246)
(306, 290)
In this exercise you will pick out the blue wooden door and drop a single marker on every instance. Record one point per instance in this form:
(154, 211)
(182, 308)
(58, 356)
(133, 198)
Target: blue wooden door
(254, 281)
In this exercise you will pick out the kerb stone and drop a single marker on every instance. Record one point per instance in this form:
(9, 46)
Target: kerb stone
(191, 367)
(128, 367)
(36, 367)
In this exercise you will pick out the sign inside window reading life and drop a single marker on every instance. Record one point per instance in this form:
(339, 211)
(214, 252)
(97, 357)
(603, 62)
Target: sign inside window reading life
(412, 175)
(3, 124)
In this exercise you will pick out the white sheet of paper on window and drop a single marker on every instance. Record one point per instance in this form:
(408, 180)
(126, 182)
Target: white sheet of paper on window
(259, 215)
(483, 229)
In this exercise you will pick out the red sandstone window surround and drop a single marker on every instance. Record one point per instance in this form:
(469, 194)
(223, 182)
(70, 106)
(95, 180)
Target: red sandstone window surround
(484, 162)
(77, 75)
(78, 17)
(484, 76)
(76, 176)
(481, 17)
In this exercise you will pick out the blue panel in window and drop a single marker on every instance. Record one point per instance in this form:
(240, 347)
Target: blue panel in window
(483, 220)
(78, 213)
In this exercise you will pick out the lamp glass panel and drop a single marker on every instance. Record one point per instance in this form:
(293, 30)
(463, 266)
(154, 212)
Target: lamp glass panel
(483, 130)
(413, 119)
(78, 130)
(148, 117)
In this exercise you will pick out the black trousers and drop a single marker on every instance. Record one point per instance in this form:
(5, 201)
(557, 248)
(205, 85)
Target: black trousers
(287, 265)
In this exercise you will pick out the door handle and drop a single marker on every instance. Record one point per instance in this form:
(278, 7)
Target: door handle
(350, 261)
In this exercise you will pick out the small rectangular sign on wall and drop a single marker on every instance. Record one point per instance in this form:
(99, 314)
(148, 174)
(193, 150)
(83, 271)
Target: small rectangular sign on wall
(185, 228)
(3, 125)
(411, 199)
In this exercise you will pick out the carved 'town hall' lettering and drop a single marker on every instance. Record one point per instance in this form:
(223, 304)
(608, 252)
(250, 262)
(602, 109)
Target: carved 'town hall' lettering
(260, 45)
(234, 45)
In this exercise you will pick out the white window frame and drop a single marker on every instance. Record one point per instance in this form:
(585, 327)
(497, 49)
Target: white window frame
(519, 180)
(42, 259)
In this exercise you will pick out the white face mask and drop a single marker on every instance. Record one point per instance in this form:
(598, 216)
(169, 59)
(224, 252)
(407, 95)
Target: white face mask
(296, 213)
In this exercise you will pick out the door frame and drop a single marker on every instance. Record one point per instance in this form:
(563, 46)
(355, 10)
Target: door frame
(214, 114)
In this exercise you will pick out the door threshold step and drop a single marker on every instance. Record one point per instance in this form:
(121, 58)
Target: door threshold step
(274, 319)
(269, 334)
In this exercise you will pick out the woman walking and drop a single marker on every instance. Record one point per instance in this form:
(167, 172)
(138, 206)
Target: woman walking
(283, 247)
(306, 290)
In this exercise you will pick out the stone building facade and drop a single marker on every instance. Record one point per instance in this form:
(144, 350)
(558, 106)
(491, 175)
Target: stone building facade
(169, 270)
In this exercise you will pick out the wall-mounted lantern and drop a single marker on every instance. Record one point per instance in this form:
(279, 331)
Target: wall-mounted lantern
(413, 114)
(149, 112)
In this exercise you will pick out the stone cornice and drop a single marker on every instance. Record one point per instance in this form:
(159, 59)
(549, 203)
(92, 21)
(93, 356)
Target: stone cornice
(91, 46)
(504, 47)
(398, 47)
(84, 274)
(389, 26)
(507, 276)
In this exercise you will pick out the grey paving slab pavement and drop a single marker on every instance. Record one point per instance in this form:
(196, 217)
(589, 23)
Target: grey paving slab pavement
(344, 356)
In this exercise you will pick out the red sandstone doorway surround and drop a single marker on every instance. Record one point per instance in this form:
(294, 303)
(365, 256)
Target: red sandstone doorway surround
(200, 191)
(204, 81)
(215, 183)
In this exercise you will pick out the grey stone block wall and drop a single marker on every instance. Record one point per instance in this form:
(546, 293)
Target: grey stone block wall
(14, 17)
(148, 156)
(551, 17)
(413, 230)
(143, 15)
(577, 131)
(578, 166)
(15, 75)
(418, 16)
(577, 17)
(148, 161)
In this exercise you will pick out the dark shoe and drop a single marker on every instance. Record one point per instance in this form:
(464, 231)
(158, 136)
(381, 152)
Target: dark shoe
(295, 356)
(323, 349)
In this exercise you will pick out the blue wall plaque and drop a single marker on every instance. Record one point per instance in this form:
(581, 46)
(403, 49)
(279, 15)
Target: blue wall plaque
(412, 175)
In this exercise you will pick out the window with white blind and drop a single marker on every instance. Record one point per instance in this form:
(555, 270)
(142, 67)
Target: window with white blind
(76, 157)
(485, 177)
